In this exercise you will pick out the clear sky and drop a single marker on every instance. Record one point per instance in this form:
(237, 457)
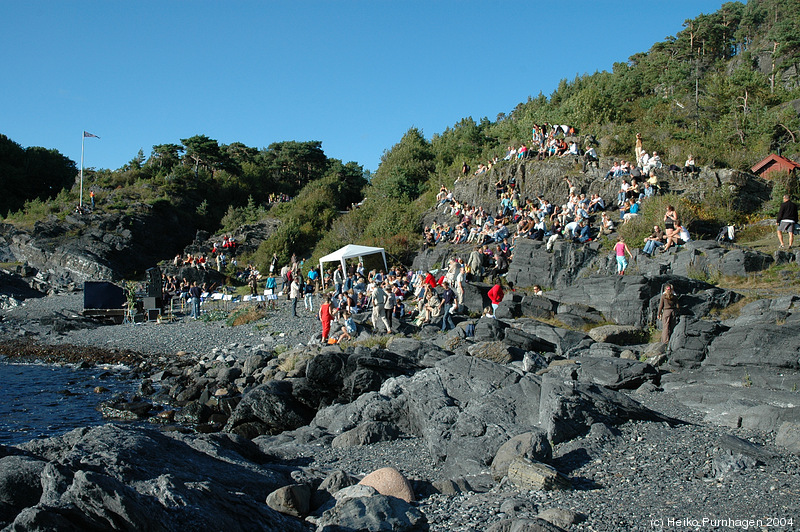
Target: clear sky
(354, 75)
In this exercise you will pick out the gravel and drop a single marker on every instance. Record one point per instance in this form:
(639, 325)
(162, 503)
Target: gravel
(184, 334)
(639, 476)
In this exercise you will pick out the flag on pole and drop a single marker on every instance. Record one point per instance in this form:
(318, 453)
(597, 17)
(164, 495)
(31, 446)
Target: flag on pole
(86, 135)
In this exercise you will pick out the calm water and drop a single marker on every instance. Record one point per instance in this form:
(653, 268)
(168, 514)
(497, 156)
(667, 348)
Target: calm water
(40, 401)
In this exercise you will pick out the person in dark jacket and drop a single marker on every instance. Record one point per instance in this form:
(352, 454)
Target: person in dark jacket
(787, 218)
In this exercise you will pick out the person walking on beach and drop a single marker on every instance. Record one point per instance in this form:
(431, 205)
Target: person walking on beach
(308, 294)
(667, 312)
(326, 318)
(787, 218)
(620, 249)
(269, 291)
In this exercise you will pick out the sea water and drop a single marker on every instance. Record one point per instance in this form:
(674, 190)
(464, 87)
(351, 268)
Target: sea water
(40, 401)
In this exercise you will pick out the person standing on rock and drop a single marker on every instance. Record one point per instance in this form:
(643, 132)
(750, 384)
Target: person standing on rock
(447, 304)
(325, 317)
(475, 264)
(667, 312)
(620, 249)
(787, 218)
(638, 148)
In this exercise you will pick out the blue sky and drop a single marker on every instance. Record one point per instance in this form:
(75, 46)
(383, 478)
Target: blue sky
(354, 75)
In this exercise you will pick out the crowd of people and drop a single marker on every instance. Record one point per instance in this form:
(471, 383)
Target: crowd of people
(492, 233)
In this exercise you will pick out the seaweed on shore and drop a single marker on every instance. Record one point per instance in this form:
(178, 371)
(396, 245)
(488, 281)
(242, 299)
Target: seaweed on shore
(30, 351)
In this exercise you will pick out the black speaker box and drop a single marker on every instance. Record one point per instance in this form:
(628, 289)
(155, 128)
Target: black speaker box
(153, 282)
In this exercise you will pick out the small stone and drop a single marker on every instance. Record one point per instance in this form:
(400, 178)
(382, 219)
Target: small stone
(561, 517)
(290, 500)
(529, 475)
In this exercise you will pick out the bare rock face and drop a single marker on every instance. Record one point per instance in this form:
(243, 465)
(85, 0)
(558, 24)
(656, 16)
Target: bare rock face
(125, 478)
(389, 481)
(99, 246)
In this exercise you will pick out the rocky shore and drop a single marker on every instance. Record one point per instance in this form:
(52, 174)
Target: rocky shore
(562, 422)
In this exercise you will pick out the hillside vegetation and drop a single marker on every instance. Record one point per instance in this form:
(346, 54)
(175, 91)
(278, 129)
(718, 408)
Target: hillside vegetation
(725, 88)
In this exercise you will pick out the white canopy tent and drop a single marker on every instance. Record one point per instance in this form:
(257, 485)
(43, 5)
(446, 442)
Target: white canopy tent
(351, 251)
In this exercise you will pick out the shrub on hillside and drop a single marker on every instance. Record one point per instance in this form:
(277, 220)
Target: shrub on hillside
(652, 213)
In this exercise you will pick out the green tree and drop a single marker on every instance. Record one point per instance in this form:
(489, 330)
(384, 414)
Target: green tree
(203, 152)
(405, 168)
(165, 155)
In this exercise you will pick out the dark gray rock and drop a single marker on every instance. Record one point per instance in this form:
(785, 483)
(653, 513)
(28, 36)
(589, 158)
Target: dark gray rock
(765, 342)
(20, 484)
(373, 513)
(128, 478)
(569, 407)
(268, 409)
(537, 307)
(563, 339)
(524, 525)
(690, 341)
(616, 373)
(366, 433)
(530, 445)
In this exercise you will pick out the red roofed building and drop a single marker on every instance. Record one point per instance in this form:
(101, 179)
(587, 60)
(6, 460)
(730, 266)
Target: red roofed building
(774, 163)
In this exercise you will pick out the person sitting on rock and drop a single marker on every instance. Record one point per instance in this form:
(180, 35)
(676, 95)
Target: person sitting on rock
(596, 204)
(630, 211)
(349, 327)
(584, 233)
(589, 157)
(612, 172)
(690, 167)
(606, 225)
(678, 237)
(656, 240)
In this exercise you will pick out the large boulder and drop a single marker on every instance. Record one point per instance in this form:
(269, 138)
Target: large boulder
(268, 409)
(615, 373)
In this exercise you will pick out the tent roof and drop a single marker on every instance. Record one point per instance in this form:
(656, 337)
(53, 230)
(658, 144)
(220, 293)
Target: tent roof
(349, 251)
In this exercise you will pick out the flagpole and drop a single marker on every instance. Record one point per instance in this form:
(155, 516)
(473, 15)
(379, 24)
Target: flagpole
(83, 139)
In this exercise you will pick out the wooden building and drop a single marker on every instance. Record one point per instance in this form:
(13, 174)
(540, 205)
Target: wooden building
(774, 163)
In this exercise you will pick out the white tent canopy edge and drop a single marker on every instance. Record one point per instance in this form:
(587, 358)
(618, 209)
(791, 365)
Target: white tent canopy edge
(351, 251)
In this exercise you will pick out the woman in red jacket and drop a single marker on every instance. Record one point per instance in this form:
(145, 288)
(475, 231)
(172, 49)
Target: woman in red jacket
(326, 318)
